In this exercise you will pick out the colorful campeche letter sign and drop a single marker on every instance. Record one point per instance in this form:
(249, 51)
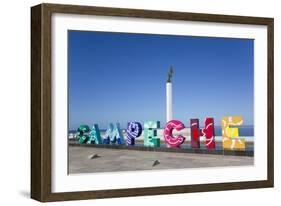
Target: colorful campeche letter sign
(134, 130)
(82, 133)
(95, 137)
(208, 131)
(150, 134)
(113, 134)
(168, 133)
(230, 135)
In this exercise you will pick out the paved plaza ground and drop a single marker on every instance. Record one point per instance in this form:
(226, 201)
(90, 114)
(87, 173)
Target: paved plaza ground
(113, 160)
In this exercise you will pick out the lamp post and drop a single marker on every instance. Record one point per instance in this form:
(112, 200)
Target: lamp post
(169, 98)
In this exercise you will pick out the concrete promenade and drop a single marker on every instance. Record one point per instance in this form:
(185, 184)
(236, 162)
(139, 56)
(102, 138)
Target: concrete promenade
(113, 160)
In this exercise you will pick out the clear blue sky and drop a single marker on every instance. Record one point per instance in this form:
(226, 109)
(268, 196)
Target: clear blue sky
(120, 77)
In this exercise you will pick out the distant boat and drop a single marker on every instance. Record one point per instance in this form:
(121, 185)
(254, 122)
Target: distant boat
(71, 136)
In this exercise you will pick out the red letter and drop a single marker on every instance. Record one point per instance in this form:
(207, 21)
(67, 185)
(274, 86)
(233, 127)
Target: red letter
(195, 133)
(208, 132)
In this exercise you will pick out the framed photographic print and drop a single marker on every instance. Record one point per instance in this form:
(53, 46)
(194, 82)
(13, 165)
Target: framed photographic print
(130, 102)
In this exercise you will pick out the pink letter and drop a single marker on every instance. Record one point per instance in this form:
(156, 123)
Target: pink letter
(168, 133)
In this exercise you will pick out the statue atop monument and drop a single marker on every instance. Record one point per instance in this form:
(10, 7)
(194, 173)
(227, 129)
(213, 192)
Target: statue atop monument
(170, 74)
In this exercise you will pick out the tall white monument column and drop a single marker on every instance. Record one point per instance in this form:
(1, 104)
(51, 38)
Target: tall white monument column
(169, 98)
(169, 102)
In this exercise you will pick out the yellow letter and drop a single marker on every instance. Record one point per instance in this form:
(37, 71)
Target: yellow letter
(230, 135)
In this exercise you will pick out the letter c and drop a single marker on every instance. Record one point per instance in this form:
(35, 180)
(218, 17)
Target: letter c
(168, 133)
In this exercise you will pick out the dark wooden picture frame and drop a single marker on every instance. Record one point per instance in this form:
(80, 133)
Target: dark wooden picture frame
(41, 95)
